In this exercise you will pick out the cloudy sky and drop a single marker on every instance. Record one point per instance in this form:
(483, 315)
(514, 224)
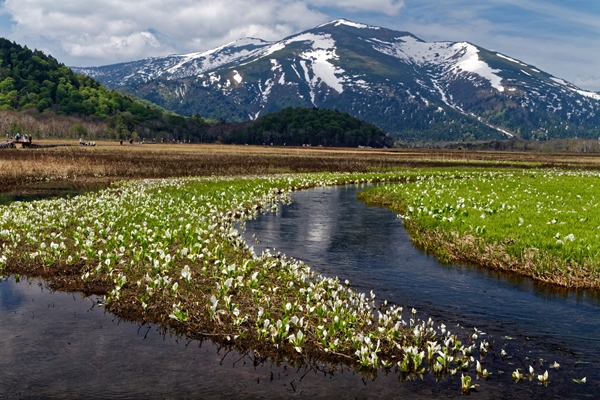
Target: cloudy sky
(560, 37)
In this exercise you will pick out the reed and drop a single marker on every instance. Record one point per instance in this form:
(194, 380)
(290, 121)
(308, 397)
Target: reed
(31, 170)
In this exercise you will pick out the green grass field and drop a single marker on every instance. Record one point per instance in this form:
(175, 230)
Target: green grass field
(543, 223)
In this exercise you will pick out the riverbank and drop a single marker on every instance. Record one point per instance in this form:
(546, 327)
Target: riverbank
(168, 252)
(541, 224)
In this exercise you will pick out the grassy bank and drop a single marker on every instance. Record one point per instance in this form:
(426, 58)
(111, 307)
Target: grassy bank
(543, 224)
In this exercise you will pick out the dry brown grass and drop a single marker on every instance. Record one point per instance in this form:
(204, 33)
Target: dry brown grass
(38, 170)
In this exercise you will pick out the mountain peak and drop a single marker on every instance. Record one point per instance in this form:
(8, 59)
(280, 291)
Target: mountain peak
(342, 21)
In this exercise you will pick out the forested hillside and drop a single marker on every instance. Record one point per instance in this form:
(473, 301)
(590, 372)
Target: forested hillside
(311, 126)
(31, 80)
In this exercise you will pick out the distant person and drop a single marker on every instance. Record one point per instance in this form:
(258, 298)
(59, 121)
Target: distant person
(30, 138)
(121, 142)
(131, 141)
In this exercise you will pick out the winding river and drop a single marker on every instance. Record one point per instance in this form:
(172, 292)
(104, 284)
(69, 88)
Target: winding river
(63, 345)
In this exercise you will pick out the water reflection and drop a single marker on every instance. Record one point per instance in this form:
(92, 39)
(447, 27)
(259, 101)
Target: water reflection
(61, 345)
(10, 298)
(46, 193)
(8, 198)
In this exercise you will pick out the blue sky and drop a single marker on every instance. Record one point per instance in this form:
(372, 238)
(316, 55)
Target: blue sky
(560, 37)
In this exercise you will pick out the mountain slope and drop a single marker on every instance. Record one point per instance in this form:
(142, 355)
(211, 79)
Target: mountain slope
(413, 89)
(173, 66)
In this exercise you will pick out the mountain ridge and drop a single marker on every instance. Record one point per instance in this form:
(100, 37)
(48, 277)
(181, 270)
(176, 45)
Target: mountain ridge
(415, 90)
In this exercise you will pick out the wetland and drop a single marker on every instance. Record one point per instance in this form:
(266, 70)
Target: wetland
(168, 254)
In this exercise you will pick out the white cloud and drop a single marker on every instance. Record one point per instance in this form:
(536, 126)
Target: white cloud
(105, 47)
(106, 31)
(588, 82)
(389, 7)
(111, 31)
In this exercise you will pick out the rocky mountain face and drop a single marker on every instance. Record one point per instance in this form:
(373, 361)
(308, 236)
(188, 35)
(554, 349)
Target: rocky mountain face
(415, 90)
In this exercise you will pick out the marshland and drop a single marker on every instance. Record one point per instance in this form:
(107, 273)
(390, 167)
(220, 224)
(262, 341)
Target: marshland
(163, 244)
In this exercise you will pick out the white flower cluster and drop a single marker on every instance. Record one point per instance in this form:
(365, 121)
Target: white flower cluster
(176, 241)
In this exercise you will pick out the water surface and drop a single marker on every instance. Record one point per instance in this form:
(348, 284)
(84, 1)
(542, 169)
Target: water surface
(50, 194)
(61, 345)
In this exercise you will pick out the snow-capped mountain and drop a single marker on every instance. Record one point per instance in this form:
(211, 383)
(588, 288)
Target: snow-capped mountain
(414, 89)
(174, 66)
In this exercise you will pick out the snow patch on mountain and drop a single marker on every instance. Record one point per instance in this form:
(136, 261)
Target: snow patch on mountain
(510, 59)
(559, 81)
(441, 92)
(413, 50)
(470, 62)
(296, 71)
(451, 57)
(324, 70)
(197, 63)
(570, 86)
(591, 95)
(269, 83)
(342, 21)
(176, 66)
(275, 65)
(237, 77)
(214, 78)
(314, 60)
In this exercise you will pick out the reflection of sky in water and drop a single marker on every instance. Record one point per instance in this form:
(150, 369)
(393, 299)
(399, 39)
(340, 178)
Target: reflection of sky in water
(10, 298)
(369, 246)
(59, 345)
